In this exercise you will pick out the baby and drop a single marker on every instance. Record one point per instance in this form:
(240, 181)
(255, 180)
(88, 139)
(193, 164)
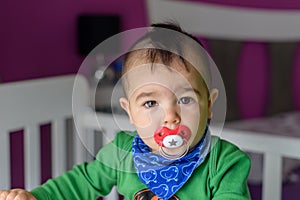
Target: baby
(172, 154)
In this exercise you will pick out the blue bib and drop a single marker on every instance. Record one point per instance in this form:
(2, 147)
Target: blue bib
(165, 177)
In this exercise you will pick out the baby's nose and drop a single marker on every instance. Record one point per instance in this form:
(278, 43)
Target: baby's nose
(172, 117)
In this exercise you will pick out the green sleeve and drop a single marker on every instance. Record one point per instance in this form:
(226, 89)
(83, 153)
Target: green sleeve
(231, 170)
(89, 180)
(84, 181)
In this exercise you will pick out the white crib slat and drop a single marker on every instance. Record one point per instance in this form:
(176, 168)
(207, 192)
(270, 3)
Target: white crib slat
(58, 147)
(32, 157)
(78, 148)
(5, 161)
(112, 195)
(272, 176)
(90, 144)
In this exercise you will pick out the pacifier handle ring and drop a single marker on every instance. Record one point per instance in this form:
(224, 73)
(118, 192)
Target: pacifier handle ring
(176, 156)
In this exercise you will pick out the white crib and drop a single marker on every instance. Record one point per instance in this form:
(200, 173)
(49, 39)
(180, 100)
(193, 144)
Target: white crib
(26, 105)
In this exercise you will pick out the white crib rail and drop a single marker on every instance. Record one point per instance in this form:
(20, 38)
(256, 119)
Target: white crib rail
(5, 162)
(26, 105)
(273, 148)
(58, 141)
(32, 156)
(225, 22)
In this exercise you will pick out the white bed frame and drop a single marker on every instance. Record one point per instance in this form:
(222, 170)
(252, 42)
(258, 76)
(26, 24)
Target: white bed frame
(26, 105)
(246, 24)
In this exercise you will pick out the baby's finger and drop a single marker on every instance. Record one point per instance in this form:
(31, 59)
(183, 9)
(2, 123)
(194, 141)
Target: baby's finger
(3, 194)
(21, 196)
(12, 194)
(16, 194)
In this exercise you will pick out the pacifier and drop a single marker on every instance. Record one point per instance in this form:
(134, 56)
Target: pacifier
(171, 139)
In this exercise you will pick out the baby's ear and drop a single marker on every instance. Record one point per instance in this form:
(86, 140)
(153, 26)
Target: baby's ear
(124, 103)
(214, 93)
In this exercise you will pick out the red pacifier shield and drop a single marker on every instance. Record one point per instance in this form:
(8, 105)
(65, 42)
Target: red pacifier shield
(172, 138)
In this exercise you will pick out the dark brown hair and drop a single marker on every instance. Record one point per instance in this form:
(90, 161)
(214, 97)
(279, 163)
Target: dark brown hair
(160, 44)
(160, 41)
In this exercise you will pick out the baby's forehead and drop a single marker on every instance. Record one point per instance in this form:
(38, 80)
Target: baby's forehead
(174, 78)
(171, 62)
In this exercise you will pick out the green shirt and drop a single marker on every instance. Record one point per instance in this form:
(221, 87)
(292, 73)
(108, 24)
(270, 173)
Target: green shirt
(223, 175)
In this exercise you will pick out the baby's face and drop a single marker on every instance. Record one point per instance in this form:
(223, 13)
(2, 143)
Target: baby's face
(166, 97)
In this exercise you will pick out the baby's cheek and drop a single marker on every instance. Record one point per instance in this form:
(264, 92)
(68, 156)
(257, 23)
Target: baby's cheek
(193, 119)
(150, 119)
(143, 120)
(190, 115)
(147, 130)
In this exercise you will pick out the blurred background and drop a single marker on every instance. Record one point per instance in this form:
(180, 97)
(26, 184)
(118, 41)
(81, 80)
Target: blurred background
(40, 39)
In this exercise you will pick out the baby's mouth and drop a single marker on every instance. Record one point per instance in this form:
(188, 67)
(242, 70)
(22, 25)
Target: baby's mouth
(171, 139)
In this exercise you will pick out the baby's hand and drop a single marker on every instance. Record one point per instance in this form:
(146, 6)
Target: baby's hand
(16, 194)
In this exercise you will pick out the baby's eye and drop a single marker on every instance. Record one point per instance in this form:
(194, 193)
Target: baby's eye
(185, 100)
(150, 104)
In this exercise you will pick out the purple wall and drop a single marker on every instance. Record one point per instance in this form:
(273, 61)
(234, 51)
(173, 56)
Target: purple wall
(38, 38)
